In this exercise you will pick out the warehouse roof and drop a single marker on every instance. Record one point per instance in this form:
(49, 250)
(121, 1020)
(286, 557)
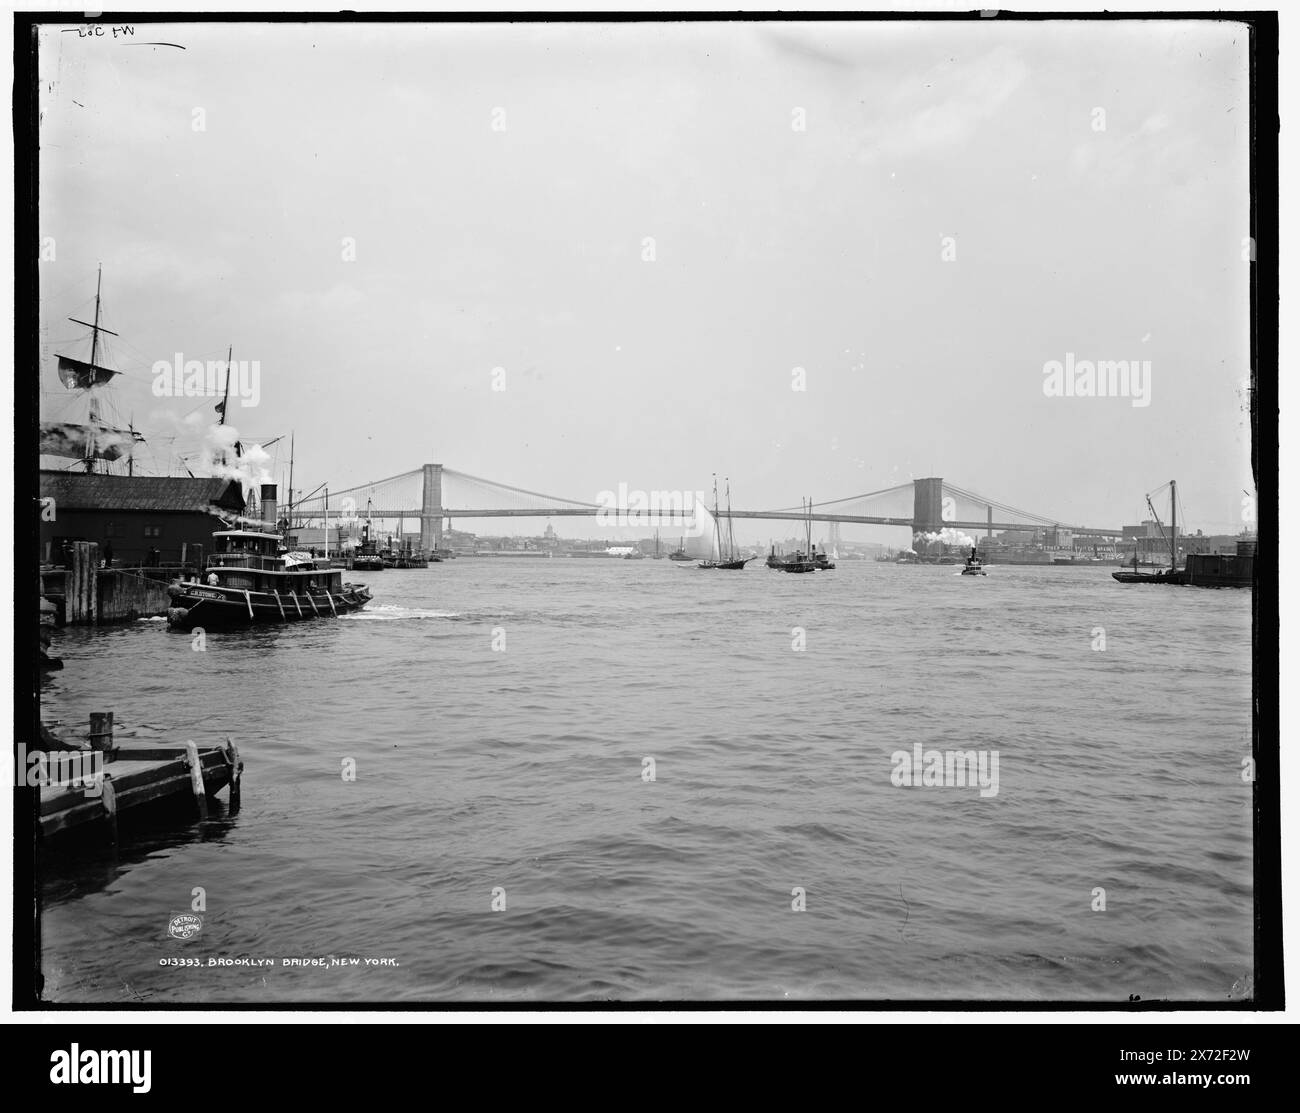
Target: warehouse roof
(155, 494)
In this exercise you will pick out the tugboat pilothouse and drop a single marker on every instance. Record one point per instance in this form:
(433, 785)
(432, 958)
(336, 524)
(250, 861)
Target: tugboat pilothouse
(248, 580)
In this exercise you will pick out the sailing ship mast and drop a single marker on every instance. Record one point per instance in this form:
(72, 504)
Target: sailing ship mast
(94, 354)
(88, 376)
(731, 529)
(717, 529)
(225, 397)
(289, 527)
(1173, 525)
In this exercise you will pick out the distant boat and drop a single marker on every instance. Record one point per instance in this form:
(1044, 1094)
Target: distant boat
(974, 566)
(635, 554)
(801, 561)
(367, 557)
(1171, 575)
(728, 560)
(658, 554)
(680, 552)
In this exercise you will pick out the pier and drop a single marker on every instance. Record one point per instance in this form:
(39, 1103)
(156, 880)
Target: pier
(85, 594)
(86, 789)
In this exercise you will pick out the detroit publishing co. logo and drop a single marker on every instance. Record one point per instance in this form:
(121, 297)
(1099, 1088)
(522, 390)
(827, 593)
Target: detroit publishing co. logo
(185, 926)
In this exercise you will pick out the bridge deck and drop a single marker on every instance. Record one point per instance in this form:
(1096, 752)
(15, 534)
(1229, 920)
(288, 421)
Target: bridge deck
(655, 517)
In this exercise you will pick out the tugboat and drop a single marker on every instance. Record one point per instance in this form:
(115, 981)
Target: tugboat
(800, 561)
(680, 553)
(248, 580)
(367, 557)
(408, 556)
(974, 566)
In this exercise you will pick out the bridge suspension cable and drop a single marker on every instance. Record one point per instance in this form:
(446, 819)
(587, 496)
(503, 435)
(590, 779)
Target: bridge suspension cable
(492, 484)
(994, 504)
(319, 500)
(852, 498)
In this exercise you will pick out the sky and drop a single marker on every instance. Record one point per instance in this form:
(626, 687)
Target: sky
(637, 233)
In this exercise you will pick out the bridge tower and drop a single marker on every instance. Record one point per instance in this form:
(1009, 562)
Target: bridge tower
(431, 509)
(927, 505)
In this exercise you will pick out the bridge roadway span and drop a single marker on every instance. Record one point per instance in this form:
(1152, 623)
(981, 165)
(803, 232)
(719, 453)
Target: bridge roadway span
(652, 517)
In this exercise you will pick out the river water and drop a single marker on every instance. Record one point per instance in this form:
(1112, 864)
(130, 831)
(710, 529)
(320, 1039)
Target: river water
(500, 713)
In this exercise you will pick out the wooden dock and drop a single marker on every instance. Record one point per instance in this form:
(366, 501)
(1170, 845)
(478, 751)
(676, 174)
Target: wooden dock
(84, 594)
(90, 788)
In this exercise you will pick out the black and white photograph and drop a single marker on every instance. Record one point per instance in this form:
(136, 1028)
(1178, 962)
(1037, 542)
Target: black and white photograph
(561, 511)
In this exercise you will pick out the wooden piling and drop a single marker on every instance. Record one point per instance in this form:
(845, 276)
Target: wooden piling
(196, 779)
(83, 585)
(108, 799)
(236, 769)
(101, 732)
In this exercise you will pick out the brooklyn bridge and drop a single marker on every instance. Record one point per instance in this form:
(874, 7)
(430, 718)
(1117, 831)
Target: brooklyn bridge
(437, 495)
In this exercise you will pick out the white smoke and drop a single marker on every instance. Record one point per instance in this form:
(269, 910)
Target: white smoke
(250, 467)
(946, 536)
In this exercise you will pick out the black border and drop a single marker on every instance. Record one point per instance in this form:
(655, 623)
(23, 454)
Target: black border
(1264, 126)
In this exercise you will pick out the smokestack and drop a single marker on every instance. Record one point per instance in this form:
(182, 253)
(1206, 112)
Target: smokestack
(268, 504)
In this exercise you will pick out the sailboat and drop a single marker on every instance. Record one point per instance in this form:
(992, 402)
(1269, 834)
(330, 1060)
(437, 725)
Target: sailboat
(658, 554)
(728, 560)
(1172, 575)
(94, 442)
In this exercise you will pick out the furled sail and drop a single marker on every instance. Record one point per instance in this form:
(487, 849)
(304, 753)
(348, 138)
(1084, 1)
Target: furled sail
(80, 442)
(76, 374)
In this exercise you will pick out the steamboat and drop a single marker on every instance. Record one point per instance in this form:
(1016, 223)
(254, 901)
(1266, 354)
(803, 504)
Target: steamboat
(248, 581)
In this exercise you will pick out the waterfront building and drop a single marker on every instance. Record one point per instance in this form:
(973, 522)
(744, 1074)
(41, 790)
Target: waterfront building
(139, 519)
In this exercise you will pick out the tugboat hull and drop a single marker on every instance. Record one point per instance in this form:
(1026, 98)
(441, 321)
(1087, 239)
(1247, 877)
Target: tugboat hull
(215, 609)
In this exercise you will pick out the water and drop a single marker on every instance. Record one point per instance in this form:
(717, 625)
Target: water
(521, 769)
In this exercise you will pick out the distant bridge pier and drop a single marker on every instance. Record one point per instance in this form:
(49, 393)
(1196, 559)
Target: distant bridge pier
(431, 509)
(927, 505)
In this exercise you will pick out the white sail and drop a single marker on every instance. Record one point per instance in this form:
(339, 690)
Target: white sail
(701, 541)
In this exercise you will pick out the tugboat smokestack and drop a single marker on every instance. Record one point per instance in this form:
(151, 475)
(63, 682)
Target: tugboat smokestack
(268, 504)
